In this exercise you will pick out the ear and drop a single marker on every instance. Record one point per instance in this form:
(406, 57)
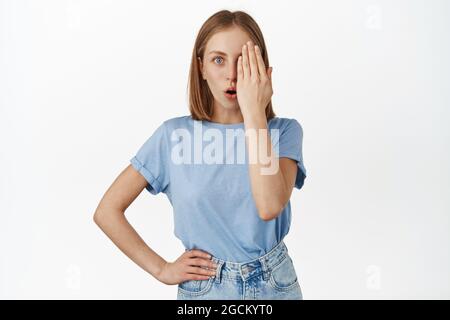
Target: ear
(200, 66)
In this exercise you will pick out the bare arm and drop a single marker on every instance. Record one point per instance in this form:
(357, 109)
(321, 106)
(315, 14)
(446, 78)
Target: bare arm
(273, 189)
(110, 217)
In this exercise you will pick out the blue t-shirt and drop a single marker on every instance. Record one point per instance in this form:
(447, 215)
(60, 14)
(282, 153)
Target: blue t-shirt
(202, 167)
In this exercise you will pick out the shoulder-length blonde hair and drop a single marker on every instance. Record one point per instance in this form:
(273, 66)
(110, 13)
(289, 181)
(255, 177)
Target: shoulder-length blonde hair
(200, 96)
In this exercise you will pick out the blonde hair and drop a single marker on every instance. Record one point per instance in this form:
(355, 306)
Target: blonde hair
(200, 96)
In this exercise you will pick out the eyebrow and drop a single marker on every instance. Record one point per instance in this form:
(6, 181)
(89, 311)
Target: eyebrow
(218, 52)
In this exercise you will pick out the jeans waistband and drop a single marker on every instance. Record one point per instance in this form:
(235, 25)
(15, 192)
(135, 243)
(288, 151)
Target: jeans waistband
(246, 270)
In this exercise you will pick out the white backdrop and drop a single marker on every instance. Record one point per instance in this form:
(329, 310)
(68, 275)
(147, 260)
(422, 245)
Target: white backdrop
(85, 83)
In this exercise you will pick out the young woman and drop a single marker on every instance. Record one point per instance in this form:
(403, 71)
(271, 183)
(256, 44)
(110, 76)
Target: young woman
(228, 169)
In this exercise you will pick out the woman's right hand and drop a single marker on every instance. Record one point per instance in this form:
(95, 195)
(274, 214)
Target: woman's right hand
(189, 266)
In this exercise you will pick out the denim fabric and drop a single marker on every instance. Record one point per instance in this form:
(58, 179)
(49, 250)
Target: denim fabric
(270, 277)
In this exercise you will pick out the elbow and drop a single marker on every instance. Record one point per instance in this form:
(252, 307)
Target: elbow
(269, 212)
(103, 215)
(97, 217)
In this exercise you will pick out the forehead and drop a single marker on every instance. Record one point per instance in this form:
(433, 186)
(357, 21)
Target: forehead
(229, 41)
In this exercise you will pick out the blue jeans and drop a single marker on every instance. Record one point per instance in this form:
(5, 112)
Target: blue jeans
(270, 277)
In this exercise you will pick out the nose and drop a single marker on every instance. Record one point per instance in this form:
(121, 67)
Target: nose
(232, 72)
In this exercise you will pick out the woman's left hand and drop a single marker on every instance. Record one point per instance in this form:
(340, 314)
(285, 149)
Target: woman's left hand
(254, 83)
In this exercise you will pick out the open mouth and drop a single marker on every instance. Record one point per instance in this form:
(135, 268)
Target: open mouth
(231, 94)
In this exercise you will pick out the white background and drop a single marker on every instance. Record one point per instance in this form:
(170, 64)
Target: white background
(84, 83)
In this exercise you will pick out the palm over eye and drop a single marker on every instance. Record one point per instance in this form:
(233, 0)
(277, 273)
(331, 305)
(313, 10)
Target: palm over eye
(254, 85)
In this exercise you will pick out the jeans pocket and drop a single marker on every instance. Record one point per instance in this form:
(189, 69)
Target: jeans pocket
(195, 287)
(283, 276)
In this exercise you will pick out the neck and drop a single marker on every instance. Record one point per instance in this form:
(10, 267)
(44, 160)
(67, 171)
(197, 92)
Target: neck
(227, 116)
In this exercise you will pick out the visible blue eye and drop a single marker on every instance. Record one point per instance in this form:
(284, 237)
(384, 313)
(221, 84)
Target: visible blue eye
(214, 59)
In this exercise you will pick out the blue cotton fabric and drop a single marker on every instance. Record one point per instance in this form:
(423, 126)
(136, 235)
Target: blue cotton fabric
(213, 206)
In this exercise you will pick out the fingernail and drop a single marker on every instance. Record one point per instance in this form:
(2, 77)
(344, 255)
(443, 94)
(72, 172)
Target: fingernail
(256, 48)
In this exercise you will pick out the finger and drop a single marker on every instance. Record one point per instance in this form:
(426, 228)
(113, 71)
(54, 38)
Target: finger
(202, 262)
(200, 271)
(245, 66)
(261, 65)
(269, 73)
(191, 276)
(199, 253)
(240, 71)
(252, 58)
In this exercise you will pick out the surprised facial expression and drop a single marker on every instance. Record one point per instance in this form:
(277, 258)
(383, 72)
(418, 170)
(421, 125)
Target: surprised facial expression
(219, 65)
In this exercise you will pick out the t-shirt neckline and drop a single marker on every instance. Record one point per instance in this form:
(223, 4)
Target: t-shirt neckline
(222, 125)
